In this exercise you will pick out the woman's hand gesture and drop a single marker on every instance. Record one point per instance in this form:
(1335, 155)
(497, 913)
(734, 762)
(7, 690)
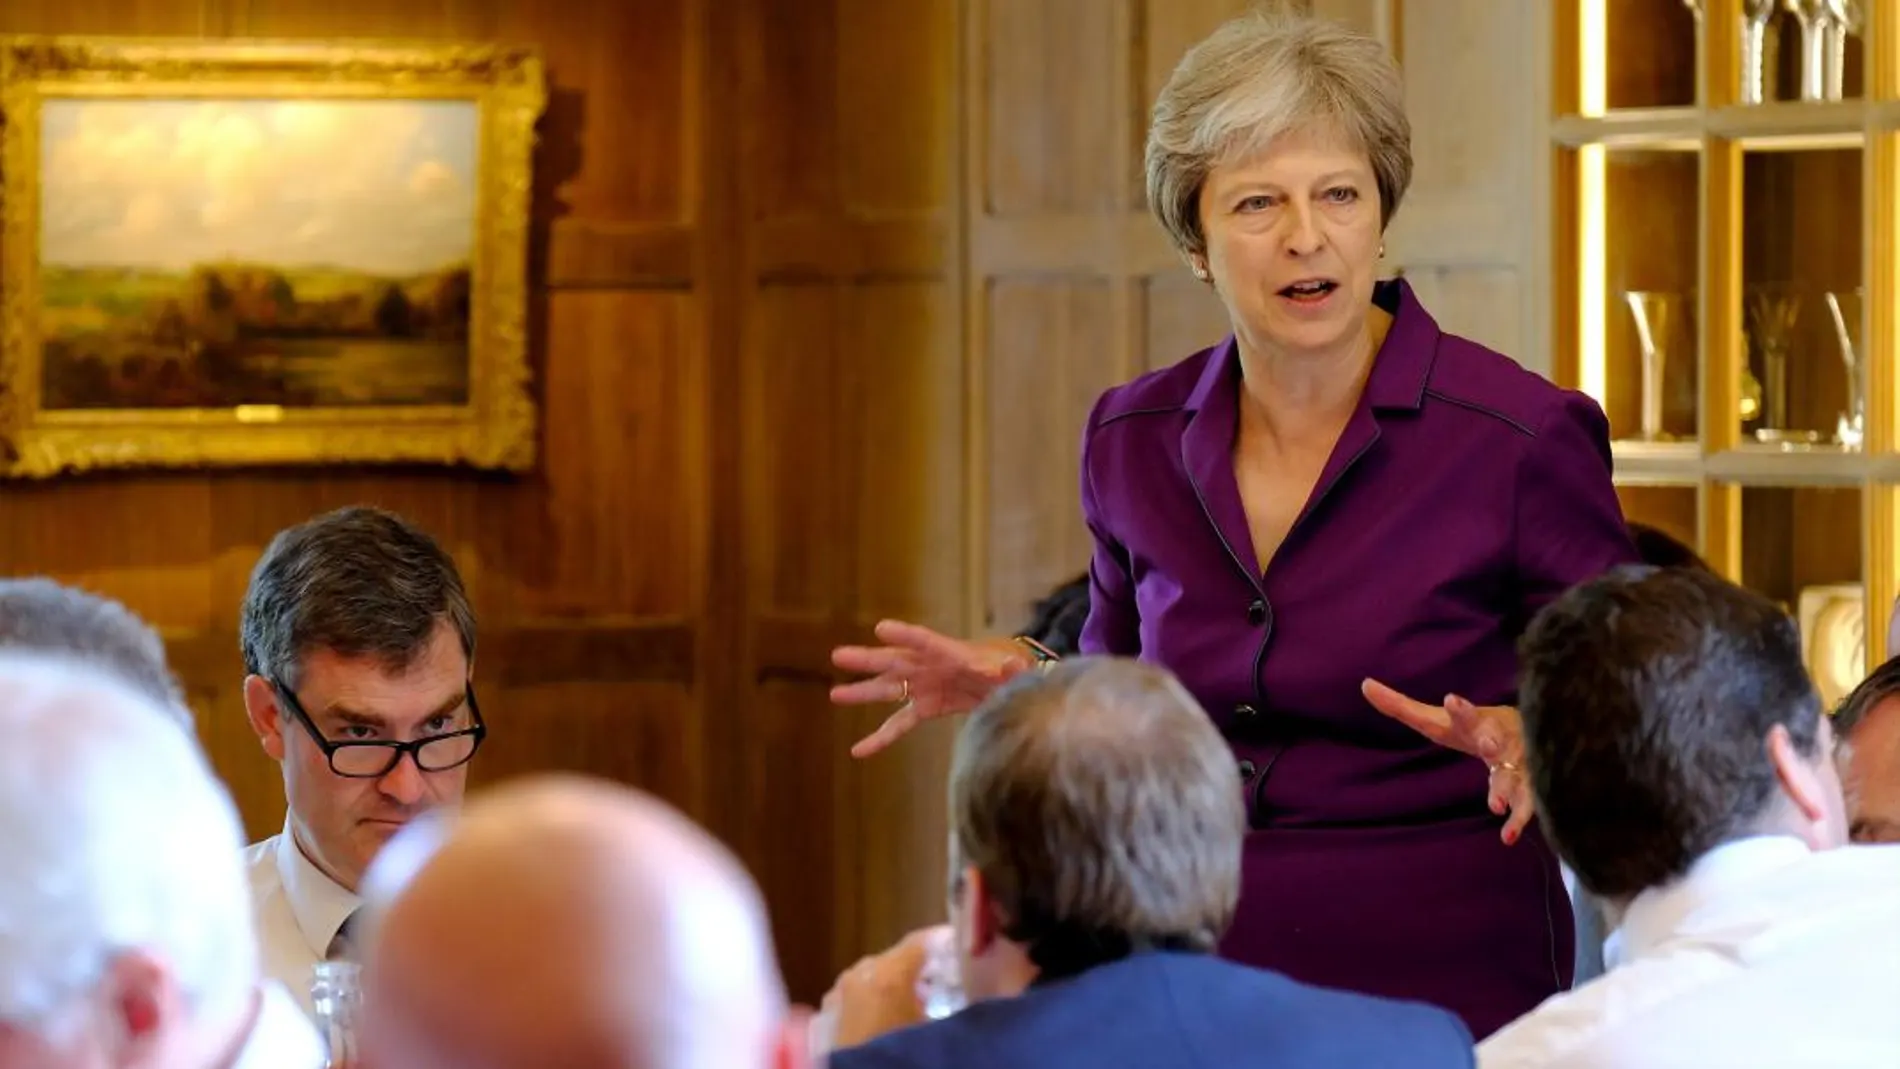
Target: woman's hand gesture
(1491, 733)
(926, 673)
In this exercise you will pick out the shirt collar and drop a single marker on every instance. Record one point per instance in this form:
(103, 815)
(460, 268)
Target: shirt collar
(319, 903)
(1401, 369)
(1658, 913)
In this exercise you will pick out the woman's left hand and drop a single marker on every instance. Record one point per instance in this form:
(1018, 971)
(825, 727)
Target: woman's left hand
(1491, 733)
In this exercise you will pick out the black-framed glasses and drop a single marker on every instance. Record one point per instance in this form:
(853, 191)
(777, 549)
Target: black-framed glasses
(376, 758)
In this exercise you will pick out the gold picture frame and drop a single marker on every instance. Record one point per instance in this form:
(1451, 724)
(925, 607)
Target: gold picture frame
(264, 253)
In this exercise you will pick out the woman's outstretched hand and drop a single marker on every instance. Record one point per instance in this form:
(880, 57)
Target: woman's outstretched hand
(1491, 733)
(925, 673)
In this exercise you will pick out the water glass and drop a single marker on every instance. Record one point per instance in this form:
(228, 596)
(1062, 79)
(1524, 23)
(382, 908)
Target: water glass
(336, 994)
(940, 981)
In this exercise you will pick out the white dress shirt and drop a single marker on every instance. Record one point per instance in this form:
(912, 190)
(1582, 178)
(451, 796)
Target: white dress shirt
(299, 910)
(1764, 955)
(281, 1037)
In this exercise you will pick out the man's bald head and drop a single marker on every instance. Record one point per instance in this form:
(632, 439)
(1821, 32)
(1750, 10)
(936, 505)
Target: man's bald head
(570, 922)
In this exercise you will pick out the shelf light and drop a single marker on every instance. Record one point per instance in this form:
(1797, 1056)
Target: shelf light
(1593, 44)
(1593, 100)
(1592, 301)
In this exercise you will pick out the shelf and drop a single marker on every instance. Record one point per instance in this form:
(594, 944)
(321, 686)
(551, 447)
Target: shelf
(1802, 547)
(1641, 463)
(1789, 466)
(1652, 128)
(1727, 285)
(1791, 126)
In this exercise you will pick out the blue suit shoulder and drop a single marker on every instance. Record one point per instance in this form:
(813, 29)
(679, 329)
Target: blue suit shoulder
(1183, 1011)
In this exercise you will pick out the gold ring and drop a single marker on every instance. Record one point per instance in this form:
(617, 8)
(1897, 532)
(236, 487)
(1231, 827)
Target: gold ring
(1506, 766)
(904, 698)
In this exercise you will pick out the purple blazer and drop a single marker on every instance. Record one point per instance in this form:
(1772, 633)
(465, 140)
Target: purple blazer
(1463, 495)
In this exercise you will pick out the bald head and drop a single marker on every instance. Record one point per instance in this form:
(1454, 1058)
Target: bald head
(570, 922)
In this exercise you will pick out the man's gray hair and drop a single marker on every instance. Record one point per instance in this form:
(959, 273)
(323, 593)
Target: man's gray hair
(38, 615)
(1882, 684)
(116, 837)
(1103, 810)
(360, 582)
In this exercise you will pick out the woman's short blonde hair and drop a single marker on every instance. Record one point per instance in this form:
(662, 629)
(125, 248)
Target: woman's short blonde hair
(1260, 76)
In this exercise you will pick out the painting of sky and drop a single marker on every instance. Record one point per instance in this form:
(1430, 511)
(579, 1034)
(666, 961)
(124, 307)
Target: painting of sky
(213, 253)
(385, 187)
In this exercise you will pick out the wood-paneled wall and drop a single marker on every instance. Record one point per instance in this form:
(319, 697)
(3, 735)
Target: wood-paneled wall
(822, 292)
(745, 331)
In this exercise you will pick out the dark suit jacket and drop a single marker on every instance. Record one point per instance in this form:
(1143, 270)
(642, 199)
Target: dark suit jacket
(1464, 494)
(1176, 1011)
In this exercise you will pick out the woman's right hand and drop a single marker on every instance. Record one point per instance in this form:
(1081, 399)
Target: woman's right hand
(928, 674)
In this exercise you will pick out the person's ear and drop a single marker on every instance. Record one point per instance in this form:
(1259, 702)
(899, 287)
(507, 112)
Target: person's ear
(1807, 788)
(267, 719)
(144, 1005)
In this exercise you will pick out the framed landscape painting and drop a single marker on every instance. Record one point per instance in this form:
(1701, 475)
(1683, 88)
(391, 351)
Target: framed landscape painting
(264, 253)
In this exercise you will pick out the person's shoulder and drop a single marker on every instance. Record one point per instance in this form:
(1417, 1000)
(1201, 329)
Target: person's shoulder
(944, 1044)
(260, 864)
(1261, 999)
(1163, 391)
(1474, 378)
(1561, 1027)
(261, 852)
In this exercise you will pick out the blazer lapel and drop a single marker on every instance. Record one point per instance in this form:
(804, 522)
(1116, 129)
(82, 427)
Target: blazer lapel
(1207, 455)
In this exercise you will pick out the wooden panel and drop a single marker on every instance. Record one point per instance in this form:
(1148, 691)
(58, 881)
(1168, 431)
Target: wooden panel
(1475, 183)
(907, 453)
(632, 732)
(793, 421)
(1182, 316)
(896, 117)
(589, 255)
(116, 17)
(361, 18)
(625, 108)
(1051, 90)
(1481, 303)
(851, 416)
(788, 780)
(617, 404)
(1672, 509)
(790, 71)
(1046, 340)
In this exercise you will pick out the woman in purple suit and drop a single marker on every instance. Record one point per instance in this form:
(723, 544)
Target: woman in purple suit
(1338, 506)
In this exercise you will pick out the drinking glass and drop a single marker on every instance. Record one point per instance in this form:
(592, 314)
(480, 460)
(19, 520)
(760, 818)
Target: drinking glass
(940, 981)
(336, 994)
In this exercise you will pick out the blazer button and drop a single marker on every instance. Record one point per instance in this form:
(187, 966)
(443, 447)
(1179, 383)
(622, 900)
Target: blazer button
(1245, 714)
(1257, 613)
(1247, 769)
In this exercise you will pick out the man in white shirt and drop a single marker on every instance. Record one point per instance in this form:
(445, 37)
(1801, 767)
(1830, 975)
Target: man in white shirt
(628, 938)
(358, 643)
(1684, 770)
(125, 922)
(1868, 728)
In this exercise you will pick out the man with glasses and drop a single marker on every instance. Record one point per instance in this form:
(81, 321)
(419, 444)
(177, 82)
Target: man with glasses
(358, 644)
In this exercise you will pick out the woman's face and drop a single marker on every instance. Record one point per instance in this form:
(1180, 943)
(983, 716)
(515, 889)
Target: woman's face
(1293, 242)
